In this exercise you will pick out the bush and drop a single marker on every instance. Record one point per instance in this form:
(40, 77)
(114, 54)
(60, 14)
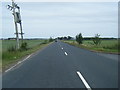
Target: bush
(24, 46)
(79, 38)
(97, 39)
(45, 42)
(51, 39)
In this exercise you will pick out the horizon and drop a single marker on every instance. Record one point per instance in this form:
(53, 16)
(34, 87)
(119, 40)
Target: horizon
(62, 36)
(56, 19)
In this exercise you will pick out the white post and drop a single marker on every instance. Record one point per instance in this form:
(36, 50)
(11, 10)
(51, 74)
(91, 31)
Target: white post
(16, 28)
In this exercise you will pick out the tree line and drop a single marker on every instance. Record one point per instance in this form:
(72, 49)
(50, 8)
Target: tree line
(79, 38)
(96, 39)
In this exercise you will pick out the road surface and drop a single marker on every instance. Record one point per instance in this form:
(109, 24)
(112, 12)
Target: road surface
(60, 65)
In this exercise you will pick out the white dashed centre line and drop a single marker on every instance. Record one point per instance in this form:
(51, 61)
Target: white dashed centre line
(63, 50)
(84, 81)
(66, 54)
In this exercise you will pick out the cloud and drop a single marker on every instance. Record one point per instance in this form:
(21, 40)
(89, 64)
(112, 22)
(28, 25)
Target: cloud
(67, 18)
(72, 11)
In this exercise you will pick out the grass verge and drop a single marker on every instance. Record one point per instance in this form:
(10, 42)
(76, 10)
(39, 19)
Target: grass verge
(10, 58)
(105, 47)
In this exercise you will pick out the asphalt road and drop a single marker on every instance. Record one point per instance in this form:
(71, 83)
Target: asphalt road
(64, 66)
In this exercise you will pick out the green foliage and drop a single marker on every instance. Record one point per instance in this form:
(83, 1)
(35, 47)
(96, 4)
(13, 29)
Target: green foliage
(111, 47)
(97, 39)
(9, 58)
(24, 46)
(108, 46)
(9, 43)
(45, 42)
(12, 49)
(115, 46)
(79, 38)
(69, 38)
(51, 39)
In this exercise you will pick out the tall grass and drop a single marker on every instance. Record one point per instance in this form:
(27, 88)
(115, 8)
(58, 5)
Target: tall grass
(9, 43)
(11, 55)
(110, 46)
(12, 49)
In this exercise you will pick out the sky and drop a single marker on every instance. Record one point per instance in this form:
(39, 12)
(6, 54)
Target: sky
(63, 0)
(53, 19)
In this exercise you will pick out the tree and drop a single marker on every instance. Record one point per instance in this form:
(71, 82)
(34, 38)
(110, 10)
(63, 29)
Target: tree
(69, 37)
(60, 38)
(79, 38)
(65, 38)
(50, 39)
(97, 39)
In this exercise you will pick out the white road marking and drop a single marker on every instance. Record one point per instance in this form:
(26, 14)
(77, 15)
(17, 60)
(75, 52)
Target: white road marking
(66, 54)
(17, 63)
(11, 68)
(84, 81)
(61, 48)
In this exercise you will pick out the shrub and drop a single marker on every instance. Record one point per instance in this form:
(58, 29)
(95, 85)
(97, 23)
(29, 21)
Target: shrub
(24, 46)
(79, 38)
(45, 42)
(51, 39)
(97, 39)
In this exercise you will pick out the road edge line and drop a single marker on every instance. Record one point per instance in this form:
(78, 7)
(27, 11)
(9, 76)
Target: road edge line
(18, 63)
(26, 58)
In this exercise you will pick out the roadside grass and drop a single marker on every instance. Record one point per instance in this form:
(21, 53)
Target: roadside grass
(9, 58)
(106, 46)
(9, 43)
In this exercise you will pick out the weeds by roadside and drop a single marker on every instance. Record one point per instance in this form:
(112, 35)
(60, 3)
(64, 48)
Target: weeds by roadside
(107, 46)
(12, 55)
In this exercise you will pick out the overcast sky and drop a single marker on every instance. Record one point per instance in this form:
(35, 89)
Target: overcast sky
(52, 19)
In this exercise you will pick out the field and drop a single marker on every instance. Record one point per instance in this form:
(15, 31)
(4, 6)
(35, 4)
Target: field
(107, 46)
(9, 43)
(12, 57)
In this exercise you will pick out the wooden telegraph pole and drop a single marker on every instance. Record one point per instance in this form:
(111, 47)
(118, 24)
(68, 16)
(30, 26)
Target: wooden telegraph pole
(17, 19)
(20, 22)
(16, 28)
